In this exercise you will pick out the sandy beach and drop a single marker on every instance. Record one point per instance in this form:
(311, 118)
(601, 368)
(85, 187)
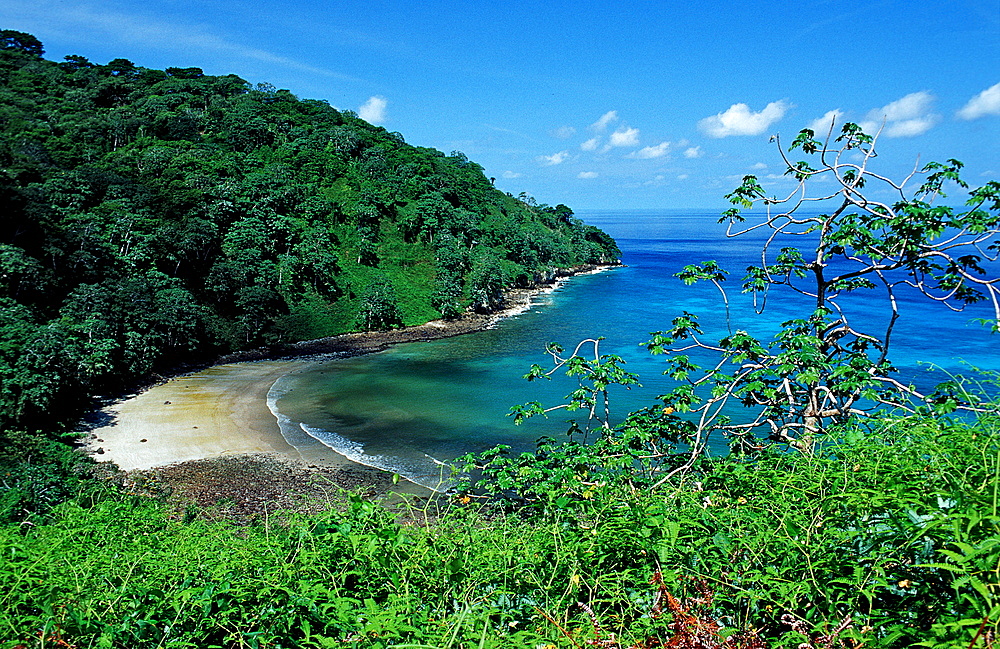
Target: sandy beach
(218, 411)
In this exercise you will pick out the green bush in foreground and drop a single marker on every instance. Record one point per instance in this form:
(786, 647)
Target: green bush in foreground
(37, 474)
(890, 537)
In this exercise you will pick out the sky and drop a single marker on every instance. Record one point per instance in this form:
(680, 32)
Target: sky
(598, 105)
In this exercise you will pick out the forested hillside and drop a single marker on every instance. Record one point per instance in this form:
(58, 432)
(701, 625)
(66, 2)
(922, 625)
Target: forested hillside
(155, 216)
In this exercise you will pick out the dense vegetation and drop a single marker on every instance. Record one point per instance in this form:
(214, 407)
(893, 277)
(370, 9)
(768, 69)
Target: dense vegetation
(866, 514)
(155, 216)
(887, 539)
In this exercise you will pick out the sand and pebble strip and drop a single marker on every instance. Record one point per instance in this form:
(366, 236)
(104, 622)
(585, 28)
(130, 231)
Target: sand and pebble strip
(253, 486)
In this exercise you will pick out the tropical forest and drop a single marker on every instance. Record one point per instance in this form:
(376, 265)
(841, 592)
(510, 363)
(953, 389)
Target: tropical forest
(157, 222)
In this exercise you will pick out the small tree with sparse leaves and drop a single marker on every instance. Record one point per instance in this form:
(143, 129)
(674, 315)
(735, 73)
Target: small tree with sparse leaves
(823, 367)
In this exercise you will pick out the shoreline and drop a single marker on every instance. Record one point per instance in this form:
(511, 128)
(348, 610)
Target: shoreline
(220, 412)
(359, 343)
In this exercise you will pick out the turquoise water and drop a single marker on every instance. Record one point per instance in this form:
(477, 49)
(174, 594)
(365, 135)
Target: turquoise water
(418, 405)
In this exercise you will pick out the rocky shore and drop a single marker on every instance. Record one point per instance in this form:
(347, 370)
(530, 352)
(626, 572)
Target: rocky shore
(369, 342)
(249, 487)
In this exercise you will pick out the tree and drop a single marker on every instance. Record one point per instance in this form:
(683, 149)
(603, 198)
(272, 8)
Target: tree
(121, 68)
(185, 73)
(379, 306)
(487, 282)
(153, 217)
(20, 42)
(427, 216)
(447, 296)
(19, 273)
(822, 368)
(137, 321)
(74, 62)
(563, 213)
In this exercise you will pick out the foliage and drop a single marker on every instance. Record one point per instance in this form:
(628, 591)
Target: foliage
(884, 530)
(38, 474)
(887, 538)
(820, 371)
(379, 309)
(824, 368)
(155, 217)
(487, 282)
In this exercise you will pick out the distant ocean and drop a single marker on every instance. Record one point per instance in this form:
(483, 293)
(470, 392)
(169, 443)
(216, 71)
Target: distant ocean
(413, 408)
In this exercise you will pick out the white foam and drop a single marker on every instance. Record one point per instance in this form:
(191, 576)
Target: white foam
(355, 452)
(299, 436)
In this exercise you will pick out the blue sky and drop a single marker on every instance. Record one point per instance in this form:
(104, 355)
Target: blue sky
(594, 104)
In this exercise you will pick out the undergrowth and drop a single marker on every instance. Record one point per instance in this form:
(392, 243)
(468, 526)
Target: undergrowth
(884, 539)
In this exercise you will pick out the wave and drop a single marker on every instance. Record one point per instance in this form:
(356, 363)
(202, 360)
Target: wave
(430, 473)
(290, 430)
(427, 472)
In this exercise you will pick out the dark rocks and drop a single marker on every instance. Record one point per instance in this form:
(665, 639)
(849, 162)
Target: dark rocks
(246, 487)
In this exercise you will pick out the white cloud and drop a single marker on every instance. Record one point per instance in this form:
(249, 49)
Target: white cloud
(658, 180)
(906, 117)
(563, 132)
(373, 110)
(693, 152)
(911, 106)
(650, 152)
(554, 159)
(985, 103)
(511, 174)
(911, 127)
(591, 144)
(821, 126)
(683, 177)
(624, 136)
(606, 118)
(758, 166)
(587, 174)
(740, 120)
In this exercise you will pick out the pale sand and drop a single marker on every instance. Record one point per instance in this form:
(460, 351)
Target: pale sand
(218, 411)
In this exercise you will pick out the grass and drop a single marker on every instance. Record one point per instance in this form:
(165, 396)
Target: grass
(889, 540)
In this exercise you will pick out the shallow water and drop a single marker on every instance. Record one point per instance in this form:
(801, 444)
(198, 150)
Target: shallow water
(416, 406)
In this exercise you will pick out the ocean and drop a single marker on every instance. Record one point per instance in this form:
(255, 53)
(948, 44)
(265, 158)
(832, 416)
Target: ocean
(415, 407)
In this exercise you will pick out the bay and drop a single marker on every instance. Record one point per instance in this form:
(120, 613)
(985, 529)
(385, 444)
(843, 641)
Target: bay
(414, 407)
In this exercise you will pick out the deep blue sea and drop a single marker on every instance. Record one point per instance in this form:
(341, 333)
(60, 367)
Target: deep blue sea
(416, 406)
